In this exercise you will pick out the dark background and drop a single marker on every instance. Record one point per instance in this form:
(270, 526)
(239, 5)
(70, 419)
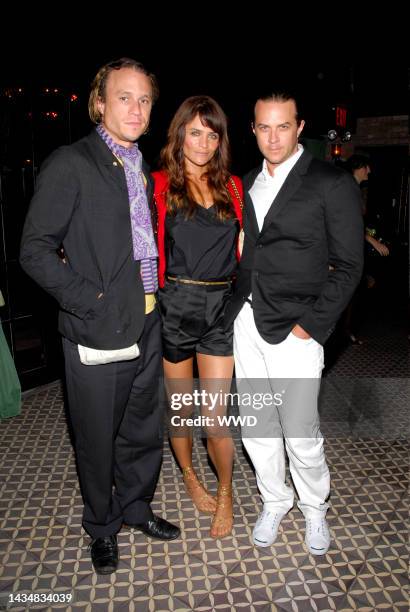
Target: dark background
(218, 59)
(199, 59)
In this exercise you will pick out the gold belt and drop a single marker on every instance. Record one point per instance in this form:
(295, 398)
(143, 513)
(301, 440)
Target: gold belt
(190, 281)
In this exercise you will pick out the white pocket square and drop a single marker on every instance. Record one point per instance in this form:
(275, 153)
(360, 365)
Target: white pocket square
(90, 356)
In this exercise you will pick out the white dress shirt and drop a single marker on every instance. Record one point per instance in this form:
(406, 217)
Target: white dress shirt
(266, 187)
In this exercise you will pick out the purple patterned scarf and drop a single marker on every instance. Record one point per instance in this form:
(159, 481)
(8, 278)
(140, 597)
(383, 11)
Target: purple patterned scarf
(142, 234)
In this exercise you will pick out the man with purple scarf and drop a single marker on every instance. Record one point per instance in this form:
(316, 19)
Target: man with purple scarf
(92, 198)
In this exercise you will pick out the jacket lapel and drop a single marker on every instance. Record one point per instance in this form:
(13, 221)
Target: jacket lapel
(248, 181)
(149, 181)
(116, 174)
(112, 168)
(292, 183)
(149, 184)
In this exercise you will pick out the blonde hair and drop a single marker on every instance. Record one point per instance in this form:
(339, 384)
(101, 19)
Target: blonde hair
(99, 84)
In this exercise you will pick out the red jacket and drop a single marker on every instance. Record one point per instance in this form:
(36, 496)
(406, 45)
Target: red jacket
(160, 192)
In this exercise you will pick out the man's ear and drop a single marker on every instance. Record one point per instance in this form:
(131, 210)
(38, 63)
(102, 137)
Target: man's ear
(253, 126)
(300, 128)
(100, 106)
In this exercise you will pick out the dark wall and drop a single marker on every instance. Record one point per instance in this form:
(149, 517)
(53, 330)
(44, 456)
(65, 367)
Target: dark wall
(40, 110)
(32, 124)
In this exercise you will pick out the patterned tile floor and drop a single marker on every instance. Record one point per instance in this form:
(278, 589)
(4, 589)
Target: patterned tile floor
(43, 549)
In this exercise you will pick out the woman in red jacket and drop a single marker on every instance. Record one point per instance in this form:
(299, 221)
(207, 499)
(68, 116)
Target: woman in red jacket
(199, 220)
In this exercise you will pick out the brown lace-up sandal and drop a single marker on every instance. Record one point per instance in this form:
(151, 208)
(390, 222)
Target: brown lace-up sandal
(202, 499)
(223, 518)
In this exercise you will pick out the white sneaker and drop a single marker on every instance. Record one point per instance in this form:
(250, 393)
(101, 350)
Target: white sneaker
(317, 536)
(266, 528)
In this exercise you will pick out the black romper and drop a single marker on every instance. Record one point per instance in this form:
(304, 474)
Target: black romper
(201, 248)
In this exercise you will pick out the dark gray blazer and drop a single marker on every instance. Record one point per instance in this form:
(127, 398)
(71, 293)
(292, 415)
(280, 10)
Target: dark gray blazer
(315, 222)
(81, 202)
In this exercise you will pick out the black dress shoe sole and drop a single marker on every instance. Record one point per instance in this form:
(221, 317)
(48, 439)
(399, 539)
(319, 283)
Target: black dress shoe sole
(104, 571)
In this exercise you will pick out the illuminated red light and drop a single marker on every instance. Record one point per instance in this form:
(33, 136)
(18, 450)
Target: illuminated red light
(341, 116)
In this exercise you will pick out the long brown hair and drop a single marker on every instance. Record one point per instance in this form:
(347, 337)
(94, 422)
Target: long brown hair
(172, 158)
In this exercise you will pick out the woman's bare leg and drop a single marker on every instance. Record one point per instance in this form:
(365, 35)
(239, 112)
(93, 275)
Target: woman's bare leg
(216, 375)
(179, 379)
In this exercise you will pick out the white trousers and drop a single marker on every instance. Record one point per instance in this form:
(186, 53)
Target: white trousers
(294, 425)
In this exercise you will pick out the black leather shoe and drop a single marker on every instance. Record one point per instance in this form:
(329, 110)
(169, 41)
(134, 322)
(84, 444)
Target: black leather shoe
(158, 528)
(104, 554)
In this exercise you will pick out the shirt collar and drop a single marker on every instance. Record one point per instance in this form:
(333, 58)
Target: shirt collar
(282, 169)
(117, 149)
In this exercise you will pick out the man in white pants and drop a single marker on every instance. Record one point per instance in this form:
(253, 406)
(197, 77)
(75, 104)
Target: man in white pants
(301, 262)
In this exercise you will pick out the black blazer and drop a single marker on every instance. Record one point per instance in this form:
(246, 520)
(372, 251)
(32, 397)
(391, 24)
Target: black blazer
(81, 202)
(315, 222)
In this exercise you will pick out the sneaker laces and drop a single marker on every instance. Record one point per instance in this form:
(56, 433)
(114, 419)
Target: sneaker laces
(317, 525)
(267, 517)
(320, 522)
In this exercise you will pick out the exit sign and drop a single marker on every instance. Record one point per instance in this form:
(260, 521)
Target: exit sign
(341, 116)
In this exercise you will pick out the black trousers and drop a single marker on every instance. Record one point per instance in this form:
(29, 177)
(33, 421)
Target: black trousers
(117, 424)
